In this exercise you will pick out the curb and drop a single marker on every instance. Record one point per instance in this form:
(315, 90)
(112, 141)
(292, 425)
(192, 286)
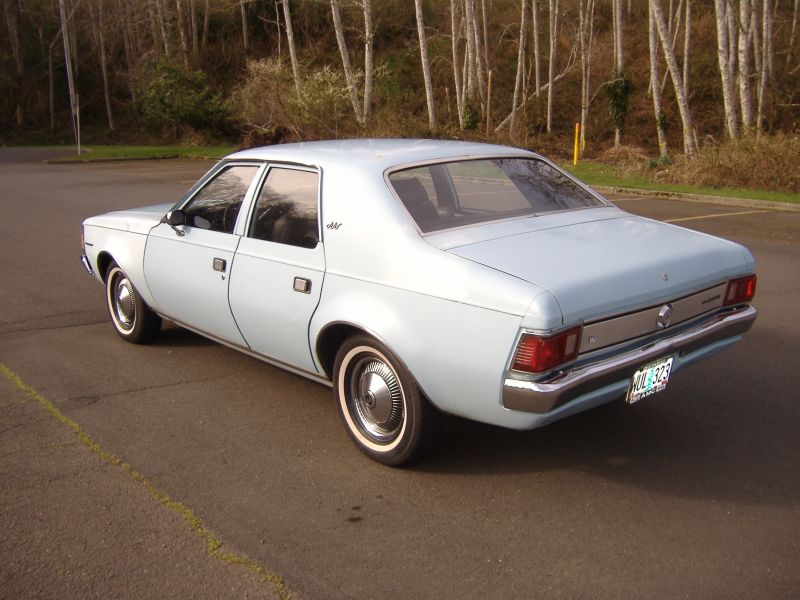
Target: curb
(722, 200)
(59, 161)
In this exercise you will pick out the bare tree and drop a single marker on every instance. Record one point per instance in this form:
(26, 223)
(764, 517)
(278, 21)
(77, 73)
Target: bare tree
(471, 66)
(98, 32)
(455, 29)
(523, 37)
(12, 22)
(793, 34)
(689, 146)
(726, 69)
(193, 27)
(654, 84)
(687, 42)
(348, 69)
(766, 58)
(426, 66)
(73, 95)
(245, 42)
(287, 18)
(745, 97)
(536, 45)
(585, 37)
(206, 21)
(181, 32)
(369, 68)
(551, 70)
(616, 15)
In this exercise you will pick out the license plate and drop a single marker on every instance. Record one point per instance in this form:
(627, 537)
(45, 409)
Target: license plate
(648, 380)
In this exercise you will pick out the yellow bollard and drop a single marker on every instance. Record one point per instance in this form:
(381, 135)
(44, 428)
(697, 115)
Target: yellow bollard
(577, 144)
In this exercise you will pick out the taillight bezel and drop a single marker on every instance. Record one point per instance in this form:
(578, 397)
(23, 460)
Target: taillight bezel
(740, 290)
(554, 350)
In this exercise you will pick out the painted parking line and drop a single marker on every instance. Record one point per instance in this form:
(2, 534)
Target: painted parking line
(729, 214)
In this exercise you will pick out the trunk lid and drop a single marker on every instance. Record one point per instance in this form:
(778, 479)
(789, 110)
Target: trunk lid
(603, 267)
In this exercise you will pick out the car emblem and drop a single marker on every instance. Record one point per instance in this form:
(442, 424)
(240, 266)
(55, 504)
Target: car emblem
(665, 276)
(664, 316)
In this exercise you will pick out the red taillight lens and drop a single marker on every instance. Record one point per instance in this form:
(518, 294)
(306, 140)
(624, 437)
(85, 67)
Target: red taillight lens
(740, 290)
(536, 354)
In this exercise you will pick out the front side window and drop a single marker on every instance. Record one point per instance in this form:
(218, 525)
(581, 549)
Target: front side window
(286, 209)
(217, 204)
(444, 195)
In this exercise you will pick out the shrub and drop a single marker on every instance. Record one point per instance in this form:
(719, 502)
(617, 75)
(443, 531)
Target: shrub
(176, 100)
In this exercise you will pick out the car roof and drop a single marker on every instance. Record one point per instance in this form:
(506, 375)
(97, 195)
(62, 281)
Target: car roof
(377, 154)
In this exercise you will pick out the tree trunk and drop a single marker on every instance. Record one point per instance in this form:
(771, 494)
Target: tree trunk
(523, 36)
(586, 35)
(480, 65)
(73, 100)
(616, 12)
(689, 146)
(551, 69)
(426, 66)
(287, 17)
(104, 63)
(348, 69)
(745, 97)
(536, 46)
(162, 25)
(181, 32)
(655, 86)
(245, 43)
(455, 30)
(793, 34)
(472, 71)
(206, 20)
(687, 42)
(11, 9)
(726, 70)
(369, 69)
(766, 36)
(193, 27)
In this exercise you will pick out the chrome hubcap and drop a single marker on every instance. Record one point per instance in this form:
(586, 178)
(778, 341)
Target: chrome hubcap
(376, 399)
(124, 306)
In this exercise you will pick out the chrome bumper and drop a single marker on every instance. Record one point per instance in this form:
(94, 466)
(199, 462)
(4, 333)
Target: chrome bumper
(86, 264)
(545, 396)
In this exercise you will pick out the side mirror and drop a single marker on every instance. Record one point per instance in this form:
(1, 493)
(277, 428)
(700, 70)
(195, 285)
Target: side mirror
(174, 218)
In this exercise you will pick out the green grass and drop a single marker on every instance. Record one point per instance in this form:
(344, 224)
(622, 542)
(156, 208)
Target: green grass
(598, 174)
(93, 153)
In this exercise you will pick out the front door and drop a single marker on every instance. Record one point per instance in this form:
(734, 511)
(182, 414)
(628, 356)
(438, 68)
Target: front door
(189, 275)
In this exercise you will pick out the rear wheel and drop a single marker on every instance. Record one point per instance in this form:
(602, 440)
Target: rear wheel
(132, 318)
(381, 405)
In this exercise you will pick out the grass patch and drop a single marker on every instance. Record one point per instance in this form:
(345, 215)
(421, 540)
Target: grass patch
(99, 153)
(599, 174)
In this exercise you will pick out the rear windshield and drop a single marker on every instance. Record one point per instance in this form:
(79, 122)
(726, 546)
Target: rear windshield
(445, 195)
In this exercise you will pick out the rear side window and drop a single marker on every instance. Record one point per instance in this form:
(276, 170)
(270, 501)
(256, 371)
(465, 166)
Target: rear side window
(286, 208)
(444, 195)
(216, 206)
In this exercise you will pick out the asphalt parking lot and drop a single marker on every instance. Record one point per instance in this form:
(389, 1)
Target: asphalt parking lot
(694, 492)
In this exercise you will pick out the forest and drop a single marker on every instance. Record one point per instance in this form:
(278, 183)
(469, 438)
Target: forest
(658, 83)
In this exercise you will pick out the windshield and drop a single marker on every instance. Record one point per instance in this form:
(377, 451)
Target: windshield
(445, 195)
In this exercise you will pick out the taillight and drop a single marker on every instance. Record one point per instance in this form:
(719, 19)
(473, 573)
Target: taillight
(740, 290)
(536, 354)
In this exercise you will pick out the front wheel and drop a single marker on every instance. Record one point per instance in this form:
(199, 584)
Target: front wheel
(132, 318)
(380, 404)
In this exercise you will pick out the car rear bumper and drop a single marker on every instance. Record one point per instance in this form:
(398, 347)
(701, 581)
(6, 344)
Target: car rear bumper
(599, 382)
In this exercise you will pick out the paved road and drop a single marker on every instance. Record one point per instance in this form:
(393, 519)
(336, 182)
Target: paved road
(694, 492)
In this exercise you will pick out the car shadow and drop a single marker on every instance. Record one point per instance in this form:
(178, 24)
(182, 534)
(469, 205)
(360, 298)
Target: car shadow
(175, 336)
(725, 430)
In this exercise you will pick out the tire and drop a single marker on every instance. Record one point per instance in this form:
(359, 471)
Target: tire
(133, 320)
(380, 403)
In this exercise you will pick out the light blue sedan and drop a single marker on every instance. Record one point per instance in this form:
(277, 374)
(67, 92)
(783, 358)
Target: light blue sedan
(421, 277)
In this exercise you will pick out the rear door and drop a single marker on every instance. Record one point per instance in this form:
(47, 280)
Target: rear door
(277, 274)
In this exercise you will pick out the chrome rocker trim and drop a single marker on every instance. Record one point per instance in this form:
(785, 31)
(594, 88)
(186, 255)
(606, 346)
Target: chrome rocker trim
(596, 383)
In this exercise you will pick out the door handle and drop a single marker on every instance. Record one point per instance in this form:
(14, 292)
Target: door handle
(220, 264)
(302, 285)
